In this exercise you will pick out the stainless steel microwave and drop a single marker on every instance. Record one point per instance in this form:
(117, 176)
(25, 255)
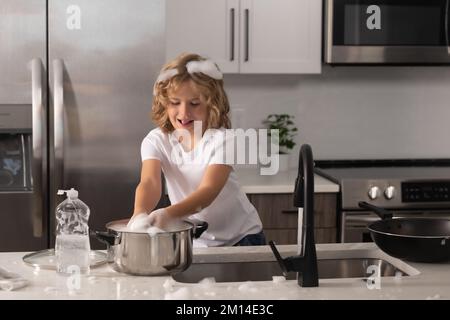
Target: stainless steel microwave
(386, 32)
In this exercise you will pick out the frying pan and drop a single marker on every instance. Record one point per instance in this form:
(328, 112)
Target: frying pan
(413, 239)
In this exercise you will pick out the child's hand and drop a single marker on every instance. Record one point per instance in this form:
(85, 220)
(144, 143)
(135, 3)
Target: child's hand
(160, 218)
(138, 222)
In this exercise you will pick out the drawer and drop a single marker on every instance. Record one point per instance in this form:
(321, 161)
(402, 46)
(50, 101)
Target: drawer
(289, 236)
(277, 210)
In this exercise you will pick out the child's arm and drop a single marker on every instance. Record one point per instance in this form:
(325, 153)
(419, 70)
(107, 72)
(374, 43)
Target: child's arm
(215, 177)
(148, 191)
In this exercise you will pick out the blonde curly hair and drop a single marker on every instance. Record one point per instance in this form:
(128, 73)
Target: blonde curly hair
(211, 89)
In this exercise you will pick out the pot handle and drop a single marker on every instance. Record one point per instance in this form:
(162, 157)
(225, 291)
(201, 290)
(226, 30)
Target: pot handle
(199, 227)
(382, 213)
(105, 237)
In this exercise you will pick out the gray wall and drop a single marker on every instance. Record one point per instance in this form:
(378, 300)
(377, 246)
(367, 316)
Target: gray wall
(354, 112)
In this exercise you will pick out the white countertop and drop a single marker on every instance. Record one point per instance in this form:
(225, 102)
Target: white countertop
(429, 281)
(282, 182)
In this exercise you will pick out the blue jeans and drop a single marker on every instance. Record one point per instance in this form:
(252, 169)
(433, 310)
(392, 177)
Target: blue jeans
(257, 239)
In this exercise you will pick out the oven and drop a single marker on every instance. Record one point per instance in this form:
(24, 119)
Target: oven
(406, 188)
(386, 32)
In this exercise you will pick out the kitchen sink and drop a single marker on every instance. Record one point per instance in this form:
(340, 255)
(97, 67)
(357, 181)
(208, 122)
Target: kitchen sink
(265, 270)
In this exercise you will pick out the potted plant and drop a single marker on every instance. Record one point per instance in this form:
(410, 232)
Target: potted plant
(287, 131)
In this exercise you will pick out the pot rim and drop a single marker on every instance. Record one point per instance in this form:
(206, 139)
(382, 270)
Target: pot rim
(188, 226)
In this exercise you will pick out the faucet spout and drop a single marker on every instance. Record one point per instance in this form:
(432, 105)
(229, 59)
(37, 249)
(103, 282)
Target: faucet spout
(305, 264)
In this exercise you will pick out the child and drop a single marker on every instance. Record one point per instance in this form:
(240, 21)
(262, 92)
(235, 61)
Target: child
(189, 92)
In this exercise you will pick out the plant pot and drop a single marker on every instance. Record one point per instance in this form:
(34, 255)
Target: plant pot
(283, 160)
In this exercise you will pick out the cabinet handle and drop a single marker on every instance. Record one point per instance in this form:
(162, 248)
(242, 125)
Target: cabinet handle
(232, 35)
(291, 211)
(246, 33)
(446, 25)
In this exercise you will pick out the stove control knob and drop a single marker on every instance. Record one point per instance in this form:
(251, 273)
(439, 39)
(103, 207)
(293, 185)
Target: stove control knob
(374, 192)
(389, 192)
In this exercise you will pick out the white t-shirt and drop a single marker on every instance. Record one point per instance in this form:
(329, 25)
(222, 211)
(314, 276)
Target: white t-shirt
(230, 216)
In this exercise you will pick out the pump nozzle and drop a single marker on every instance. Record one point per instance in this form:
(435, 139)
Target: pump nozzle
(71, 194)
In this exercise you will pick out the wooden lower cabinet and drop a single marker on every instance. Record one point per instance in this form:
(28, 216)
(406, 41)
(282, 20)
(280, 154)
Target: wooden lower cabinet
(279, 217)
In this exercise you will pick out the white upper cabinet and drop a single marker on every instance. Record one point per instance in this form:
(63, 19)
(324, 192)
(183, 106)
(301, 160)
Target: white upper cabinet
(248, 36)
(207, 27)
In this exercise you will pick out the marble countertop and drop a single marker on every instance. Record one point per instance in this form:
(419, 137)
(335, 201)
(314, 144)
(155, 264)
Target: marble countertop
(426, 281)
(283, 182)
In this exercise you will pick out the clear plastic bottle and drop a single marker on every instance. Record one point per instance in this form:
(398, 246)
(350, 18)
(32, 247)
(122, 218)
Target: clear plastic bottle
(72, 246)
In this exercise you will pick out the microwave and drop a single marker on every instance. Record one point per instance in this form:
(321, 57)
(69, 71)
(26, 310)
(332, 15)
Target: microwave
(386, 32)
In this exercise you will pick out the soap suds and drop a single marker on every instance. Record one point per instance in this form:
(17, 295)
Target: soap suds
(180, 294)
(278, 279)
(247, 287)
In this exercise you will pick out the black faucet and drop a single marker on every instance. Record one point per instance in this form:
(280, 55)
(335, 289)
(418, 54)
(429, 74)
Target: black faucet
(306, 262)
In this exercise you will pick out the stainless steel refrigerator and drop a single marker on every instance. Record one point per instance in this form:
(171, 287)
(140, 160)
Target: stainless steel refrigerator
(76, 83)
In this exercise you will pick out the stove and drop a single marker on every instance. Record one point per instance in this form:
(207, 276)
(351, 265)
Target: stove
(404, 187)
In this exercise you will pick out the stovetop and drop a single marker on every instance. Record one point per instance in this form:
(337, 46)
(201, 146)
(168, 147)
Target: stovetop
(395, 184)
(385, 169)
(387, 173)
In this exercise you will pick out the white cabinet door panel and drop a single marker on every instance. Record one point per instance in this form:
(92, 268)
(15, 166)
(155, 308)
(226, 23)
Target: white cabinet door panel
(283, 36)
(204, 27)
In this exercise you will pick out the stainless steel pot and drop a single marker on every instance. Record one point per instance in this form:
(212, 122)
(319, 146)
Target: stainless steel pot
(139, 253)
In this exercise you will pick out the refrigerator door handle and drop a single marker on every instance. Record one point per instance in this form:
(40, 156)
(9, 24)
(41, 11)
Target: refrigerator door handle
(58, 102)
(38, 133)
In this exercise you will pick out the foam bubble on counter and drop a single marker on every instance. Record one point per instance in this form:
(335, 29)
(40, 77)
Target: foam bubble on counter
(168, 284)
(278, 279)
(207, 282)
(50, 290)
(74, 292)
(207, 286)
(398, 277)
(435, 297)
(180, 294)
(247, 287)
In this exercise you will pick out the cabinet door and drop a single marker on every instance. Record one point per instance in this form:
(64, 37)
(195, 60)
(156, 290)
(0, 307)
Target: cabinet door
(209, 28)
(280, 217)
(281, 36)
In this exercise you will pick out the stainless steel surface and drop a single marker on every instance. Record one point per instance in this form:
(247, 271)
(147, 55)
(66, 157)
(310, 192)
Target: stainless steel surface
(347, 54)
(22, 38)
(104, 56)
(265, 270)
(109, 67)
(46, 259)
(328, 31)
(150, 255)
(391, 54)
(39, 147)
(15, 117)
(23, 99)
(58, 121)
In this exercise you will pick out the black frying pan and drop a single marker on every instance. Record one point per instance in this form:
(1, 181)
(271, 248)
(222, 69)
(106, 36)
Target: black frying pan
(413, 239)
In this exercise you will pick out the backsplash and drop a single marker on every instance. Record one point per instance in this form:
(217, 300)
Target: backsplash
(354, 112)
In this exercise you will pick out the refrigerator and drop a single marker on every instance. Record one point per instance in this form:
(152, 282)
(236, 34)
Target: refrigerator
(76, 82)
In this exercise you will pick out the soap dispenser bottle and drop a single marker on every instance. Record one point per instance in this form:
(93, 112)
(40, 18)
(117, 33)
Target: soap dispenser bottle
(72, 247)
